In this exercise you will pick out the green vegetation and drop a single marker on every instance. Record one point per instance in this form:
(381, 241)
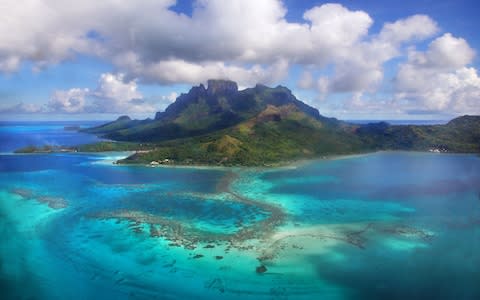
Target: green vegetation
(262, 126)
(95, 147)
(459, 135)
(114, 146)
(122, 122)
(202, 111)
(40, 149)
(277, 137)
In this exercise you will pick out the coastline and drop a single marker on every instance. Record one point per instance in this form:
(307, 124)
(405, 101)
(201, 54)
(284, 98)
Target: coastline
(124, 241)
(290, 164)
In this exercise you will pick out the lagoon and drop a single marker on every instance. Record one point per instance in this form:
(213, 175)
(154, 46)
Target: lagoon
(383, 225)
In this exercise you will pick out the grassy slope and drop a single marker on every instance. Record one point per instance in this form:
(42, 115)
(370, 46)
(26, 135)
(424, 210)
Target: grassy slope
(121, 123)
(198, 113)
(285, 134)
(459, 135)
(280, 134)
(263, 125)
(277, 134)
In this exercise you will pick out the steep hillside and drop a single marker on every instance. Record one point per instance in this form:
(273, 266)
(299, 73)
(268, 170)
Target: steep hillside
(459, 135)
(278, 133)
(263, 126)
(204, 110)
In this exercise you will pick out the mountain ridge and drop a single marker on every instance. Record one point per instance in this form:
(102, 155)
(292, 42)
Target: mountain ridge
(203, 110)
(262, 125)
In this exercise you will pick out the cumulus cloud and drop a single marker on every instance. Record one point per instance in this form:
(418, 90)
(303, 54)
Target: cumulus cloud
(306, 80)
(248, 41)
(43, 32)
(163, 101)
(22, 108)
(70, 101)
(446, 52)
(416, 27)
(439, 78)
(9, 64)
(114, 94)
(174, 71)
(244, 40)
(334, 29)
(170, 97)
(361, 68)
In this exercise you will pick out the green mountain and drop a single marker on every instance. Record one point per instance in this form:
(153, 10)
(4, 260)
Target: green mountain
(461, 134)
(263, 126)
(203, 110)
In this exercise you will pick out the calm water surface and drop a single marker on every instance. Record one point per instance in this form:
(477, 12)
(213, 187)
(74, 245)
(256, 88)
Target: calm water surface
(393, 225)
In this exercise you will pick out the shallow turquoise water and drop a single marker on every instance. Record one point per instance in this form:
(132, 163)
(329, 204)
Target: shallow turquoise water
(386, 225)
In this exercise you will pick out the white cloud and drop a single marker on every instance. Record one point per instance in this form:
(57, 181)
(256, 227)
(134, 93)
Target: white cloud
(306, 80)
(455, 91)
(435, 81)
(361, 68)
(70, 101)
(355, 78)
(173, 70)
(439, 79)
(248, 41)
(9, 64)
(22, 108)
(43, 32)
(170, 97)
(163, 101)
(113, 86)
(323, 85)
(446, 53)
(417, 27)
(334, 31)
(114, 94)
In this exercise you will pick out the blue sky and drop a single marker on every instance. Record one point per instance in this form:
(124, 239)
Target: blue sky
(414, 59)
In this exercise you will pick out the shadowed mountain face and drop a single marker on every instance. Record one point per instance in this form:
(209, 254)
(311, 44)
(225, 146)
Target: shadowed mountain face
(222, 96)
(204, 110)
(263, 125)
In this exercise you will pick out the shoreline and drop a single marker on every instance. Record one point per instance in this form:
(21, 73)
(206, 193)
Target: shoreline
(291, 164)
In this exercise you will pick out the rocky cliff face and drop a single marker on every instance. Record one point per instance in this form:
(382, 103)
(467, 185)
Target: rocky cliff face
(216, 88)
(221, 87)
(264, 119)
(182, 102)
(238, 101)
(207, 109)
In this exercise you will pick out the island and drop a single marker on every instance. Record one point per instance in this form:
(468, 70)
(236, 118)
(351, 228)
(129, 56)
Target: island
(263, 126)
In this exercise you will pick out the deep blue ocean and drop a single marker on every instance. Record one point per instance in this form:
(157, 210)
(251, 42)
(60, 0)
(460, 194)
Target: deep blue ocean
(387, 225)
(15, 135)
